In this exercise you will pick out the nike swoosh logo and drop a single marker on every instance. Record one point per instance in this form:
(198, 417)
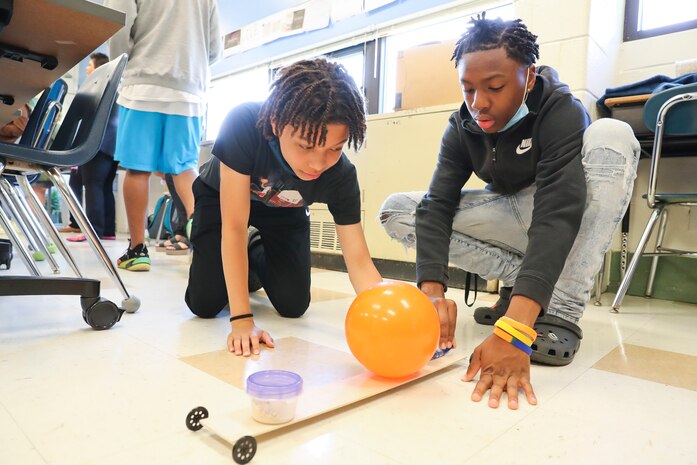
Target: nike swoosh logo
(307, 212)
(519, 150)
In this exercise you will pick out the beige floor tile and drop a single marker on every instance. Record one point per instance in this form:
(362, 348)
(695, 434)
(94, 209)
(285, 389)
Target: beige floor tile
(660, 366)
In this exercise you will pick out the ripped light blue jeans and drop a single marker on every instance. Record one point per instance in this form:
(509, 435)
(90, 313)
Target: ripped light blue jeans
(489, 235)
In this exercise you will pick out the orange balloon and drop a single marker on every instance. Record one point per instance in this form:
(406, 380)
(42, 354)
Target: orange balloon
(392, 329)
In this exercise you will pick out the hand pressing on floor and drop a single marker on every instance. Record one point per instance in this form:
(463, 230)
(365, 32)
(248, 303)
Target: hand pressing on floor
(503, 368)
(245, 337)
(504, 357)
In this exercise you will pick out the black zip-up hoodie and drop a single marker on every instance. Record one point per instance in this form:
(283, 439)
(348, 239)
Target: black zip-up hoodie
(543, 148)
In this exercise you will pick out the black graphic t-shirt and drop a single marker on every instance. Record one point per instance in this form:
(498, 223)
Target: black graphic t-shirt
(243, 148)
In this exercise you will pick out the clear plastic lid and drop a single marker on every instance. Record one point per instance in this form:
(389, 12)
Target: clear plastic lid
(274, 384)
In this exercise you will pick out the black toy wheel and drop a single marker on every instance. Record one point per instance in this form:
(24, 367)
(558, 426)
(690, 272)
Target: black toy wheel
(103, 314)
(193, 419)
(244, 449)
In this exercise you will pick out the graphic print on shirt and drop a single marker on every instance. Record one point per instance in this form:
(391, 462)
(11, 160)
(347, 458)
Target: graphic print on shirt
(272, 193)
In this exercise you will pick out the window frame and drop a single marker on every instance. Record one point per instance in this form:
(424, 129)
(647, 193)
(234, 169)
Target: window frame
(371, 75)
(631, 24)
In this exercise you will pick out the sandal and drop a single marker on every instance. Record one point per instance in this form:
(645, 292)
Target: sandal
(179, 247)
(557, 342)
(162, 245)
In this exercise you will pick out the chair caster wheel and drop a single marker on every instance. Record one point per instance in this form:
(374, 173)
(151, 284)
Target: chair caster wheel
(193, 419)
(244, 449)
(103, 314)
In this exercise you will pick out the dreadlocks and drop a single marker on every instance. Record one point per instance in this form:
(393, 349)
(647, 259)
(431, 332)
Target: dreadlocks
(486, 34)
(310, 94)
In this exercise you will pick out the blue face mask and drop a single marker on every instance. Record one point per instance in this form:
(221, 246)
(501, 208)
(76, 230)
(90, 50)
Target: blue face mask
(520, 114)
(522, 110)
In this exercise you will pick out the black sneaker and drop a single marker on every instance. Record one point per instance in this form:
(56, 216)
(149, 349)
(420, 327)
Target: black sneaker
(254, 240)
(489, 315)
(136, 259)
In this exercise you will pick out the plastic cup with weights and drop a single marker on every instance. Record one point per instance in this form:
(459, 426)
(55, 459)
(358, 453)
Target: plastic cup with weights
(274, 395)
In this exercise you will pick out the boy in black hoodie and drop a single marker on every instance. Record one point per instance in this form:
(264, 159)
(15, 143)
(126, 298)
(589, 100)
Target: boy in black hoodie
(557, 188)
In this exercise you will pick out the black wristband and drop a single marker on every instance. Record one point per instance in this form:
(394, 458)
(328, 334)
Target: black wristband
(240, 317)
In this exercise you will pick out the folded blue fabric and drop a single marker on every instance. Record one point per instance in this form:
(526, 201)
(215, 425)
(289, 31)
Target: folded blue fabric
(652, 85)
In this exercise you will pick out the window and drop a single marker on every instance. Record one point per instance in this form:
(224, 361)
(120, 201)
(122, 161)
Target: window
(352, 58)
(228, 92)
(649, 18)
(253, 85)
(440, 32)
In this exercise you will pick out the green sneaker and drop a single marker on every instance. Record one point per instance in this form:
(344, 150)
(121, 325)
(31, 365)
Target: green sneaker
(136, 259)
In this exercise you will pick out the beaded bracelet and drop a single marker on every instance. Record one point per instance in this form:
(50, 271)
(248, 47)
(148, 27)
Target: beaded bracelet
(521, 327)
(239, 317)
(515, 342)
(526, 339)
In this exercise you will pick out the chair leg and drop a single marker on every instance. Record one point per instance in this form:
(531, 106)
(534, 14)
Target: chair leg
(20, 208)
(659, 244)
(624, 285)
(87, 229)
(18, 244)
(11, 207)
(31, 217)
(599, 278)
(50, 228)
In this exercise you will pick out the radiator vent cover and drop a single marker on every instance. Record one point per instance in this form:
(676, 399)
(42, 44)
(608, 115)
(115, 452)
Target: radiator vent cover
(323, 236)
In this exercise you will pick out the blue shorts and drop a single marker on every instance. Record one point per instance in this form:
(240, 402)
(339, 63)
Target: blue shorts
(151, 141)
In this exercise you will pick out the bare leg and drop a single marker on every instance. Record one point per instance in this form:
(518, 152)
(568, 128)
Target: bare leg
(135, 193)
(183, 182)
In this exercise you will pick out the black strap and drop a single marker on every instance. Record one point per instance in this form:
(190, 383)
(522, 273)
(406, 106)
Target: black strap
(240, 317)
(468, 285)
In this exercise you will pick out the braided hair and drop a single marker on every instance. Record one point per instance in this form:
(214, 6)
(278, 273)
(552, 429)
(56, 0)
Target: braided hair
(487, 34)
(310, 94)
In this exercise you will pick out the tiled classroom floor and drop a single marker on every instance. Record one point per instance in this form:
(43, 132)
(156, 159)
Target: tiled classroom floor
(70, 395)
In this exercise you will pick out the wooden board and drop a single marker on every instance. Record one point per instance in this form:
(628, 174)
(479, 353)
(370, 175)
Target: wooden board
(67, 29)
(626, 100)
(332, 379)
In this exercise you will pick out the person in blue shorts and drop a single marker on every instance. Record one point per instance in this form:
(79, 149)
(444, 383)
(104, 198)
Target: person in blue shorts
(161, 102)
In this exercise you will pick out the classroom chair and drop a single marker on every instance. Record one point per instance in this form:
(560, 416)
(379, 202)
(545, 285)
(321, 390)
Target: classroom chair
(672, 112)
(77, 141)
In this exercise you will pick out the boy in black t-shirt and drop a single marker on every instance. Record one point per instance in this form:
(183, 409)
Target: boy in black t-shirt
(271, 161)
